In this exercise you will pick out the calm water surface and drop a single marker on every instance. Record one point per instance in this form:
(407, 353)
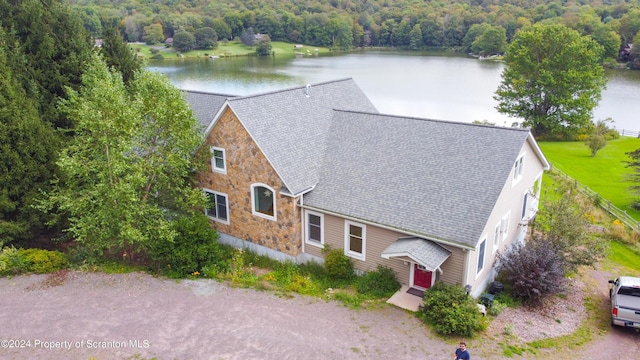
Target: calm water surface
(430, 85)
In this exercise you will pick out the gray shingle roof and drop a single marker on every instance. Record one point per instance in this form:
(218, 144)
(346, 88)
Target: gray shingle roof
(204, 105)
(436, 179)
(425, 252)
(290, 126)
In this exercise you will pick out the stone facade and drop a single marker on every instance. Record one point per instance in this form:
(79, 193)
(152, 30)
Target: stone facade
(247, 165)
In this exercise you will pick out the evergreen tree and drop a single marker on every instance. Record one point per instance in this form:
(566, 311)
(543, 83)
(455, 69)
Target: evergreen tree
(119, 55)
(56, 47)
(27, 151)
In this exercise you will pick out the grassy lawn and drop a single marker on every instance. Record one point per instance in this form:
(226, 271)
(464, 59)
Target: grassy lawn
(605, 173)
(229, 48)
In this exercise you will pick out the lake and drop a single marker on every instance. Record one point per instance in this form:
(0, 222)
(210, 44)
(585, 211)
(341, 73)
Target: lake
(425, 85)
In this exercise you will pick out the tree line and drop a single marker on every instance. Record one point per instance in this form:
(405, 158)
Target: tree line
(482, 27)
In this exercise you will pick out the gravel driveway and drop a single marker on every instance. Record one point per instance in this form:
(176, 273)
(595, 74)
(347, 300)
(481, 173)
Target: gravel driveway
(103, 316)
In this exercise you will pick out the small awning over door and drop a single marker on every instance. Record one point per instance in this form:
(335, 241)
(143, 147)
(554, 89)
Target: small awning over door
(424, 252)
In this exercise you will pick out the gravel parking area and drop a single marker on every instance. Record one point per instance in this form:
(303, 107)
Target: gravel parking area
(76, 315)
(121, 316)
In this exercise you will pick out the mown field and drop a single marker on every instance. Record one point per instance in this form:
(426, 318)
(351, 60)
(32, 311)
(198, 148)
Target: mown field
(605, 173)
(227, 48)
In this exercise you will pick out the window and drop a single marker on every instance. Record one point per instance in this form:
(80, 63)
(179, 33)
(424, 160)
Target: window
(496, 237)
(483, 243)
(355, 240)
(504, 226)
(218, 160)
(263, 202)
(518, 169)
(315, 229)
(524, 206)
(217, 206)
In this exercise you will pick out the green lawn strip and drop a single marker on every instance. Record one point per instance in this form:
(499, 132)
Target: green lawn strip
(228, 48)
(605, 173)
(623, 256)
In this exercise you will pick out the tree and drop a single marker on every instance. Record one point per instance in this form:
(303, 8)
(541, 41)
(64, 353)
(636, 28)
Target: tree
(153, 34)
(221, 28)
(564, 225)
(415, 38)
(263, 46)
(26, 156)
(119, 55)
(184, 41)
(248, 37)
(206, 38)
(56, 48)
(598, 140)
(634, 164)
(553, 79)
(492, 40)
(130, 164)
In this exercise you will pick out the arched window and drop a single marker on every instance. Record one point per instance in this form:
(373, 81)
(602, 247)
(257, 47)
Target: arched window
(263, 201)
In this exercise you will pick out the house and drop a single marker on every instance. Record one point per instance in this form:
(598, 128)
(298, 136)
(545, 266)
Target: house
(297, 170)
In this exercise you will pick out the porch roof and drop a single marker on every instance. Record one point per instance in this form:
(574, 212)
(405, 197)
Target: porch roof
(425, 252)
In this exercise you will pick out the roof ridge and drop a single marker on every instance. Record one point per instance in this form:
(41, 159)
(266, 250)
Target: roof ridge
(298, 87)
(208, 93)
(433, 120)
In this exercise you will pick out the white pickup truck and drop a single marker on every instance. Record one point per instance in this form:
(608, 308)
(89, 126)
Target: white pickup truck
(625, 302)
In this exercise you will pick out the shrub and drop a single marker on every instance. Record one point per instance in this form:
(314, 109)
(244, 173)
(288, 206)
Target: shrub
(18, 261)
(42, 261)
(337, 265)
(11, 262)
(157, 57)
(379, 283)
(195, 246)
(451, 311)
(532, 271)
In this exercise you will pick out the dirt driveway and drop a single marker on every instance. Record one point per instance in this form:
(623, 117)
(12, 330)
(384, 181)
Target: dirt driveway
(101, 316)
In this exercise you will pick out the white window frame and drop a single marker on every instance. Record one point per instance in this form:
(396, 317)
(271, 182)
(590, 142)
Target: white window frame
(496, 236)
(214, 167)
(253, 202)
(518, 169)
(347, 240)
(307, 235)
(482, 254)
(216, 217)
(504, 225)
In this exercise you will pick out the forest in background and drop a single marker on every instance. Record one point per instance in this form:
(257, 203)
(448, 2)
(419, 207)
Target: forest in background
(344, 24)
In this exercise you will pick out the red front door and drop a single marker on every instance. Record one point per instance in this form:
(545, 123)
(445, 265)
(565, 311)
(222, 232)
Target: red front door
(421, 277)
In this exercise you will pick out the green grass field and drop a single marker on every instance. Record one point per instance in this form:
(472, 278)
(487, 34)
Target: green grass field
(605, 173)
(229, 48)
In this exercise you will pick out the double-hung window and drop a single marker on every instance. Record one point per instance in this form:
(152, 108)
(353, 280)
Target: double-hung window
(217, 206)
(218, 160)
(496, 237)
(263, 201)
(518, 169)
(355, 240)
(504, 226)
(315, 229)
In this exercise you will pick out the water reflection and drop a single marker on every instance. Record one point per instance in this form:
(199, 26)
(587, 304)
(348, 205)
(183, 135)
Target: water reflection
(437, 86)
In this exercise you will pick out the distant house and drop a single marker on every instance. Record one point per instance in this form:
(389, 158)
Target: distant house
(296, 170)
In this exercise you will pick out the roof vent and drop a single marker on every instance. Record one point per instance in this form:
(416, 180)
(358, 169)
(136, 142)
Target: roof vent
(307, 90)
